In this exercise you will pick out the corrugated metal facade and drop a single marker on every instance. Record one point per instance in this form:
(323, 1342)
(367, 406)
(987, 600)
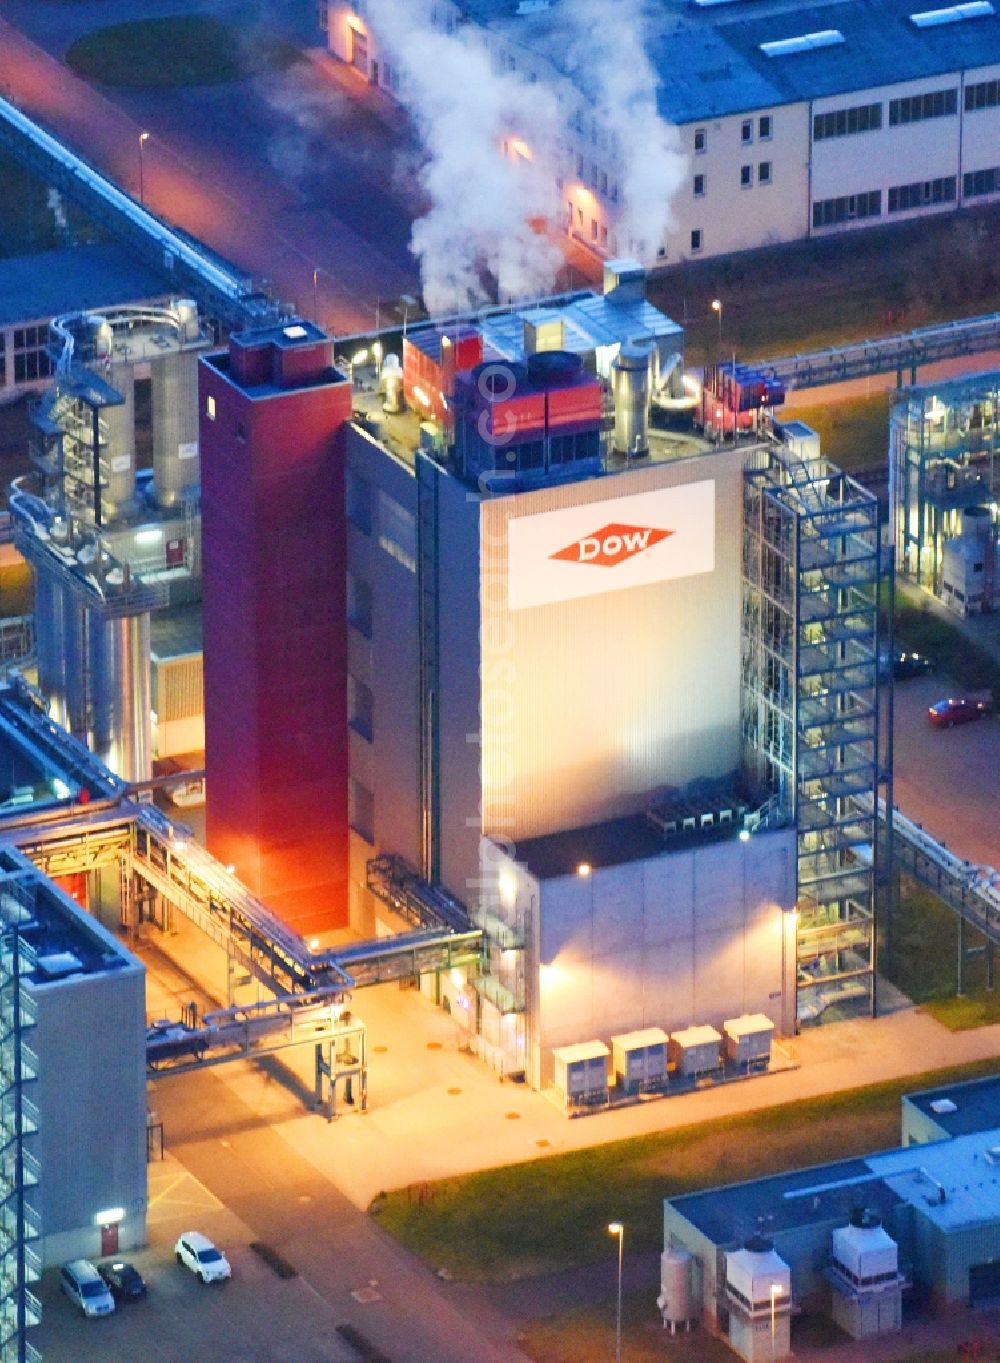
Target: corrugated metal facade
(590, 705)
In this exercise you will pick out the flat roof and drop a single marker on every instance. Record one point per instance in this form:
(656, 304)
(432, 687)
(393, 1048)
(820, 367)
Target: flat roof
(72, 279)
(954, 1182)
(710, 60)
(975, 1105)
(612, 843)
(826, 1192)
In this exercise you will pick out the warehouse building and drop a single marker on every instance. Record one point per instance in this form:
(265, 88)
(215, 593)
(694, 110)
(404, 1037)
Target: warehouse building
(607, 684)
(796, 122)
(847, 1239)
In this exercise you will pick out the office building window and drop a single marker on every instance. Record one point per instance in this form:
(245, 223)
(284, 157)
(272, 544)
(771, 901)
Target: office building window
(923, 194)
(699, 186)
(764, 127)
(361, 809)
(746, 131)
(848, 208)
(916, 108)
(764, 173)
(746, 177)
(696, 239)
(985, 94)
(862, 118)
(974, 184)
(360, 708)
(700, 140)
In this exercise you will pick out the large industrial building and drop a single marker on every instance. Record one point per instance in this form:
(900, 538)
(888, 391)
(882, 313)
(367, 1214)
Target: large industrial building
(797, 121)
(608, 687)
(852, 1239)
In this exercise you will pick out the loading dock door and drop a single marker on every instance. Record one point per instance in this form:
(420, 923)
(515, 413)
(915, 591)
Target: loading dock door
(984, 1284)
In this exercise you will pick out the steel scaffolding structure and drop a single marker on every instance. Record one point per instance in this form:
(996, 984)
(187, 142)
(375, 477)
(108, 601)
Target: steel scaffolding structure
(944, 443)
(20, 1265)
(811, 561)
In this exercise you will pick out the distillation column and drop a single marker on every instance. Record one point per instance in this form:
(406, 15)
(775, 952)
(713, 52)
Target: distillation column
(121, 690)
(176, 466)
(119, 422)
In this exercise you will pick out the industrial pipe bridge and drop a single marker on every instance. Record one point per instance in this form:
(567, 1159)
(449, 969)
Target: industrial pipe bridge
(904, 352)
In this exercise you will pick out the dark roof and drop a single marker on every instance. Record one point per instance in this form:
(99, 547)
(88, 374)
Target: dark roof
(612, 843)
(729, 1215)
(73, 279)
(977, 1105)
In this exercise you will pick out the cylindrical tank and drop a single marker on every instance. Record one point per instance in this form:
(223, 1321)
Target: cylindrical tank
(118, 498)
(675, 1299)
(49, 642)
(630, 384)
(391, 383)
(75, 630)
(121, 694)
(176, 468)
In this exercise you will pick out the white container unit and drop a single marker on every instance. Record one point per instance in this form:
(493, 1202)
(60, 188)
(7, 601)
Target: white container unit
(639, 1060)
(748, 1041)
(581, 1073)
(695, 1051)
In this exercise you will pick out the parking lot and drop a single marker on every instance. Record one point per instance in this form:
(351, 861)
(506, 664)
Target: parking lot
(948, 780)
(251, 1319)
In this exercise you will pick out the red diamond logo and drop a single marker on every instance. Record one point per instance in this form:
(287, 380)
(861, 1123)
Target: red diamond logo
(612, 545)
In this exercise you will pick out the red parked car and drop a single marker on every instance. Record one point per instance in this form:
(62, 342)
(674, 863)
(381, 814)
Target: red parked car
(945, 714)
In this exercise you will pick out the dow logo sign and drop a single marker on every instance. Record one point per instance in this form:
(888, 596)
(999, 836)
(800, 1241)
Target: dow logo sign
(608, 546)
(614, 544)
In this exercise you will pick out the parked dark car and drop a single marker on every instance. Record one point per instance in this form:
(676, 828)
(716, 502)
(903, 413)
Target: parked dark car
(903, 664)
(945, 714)
(125, 1281)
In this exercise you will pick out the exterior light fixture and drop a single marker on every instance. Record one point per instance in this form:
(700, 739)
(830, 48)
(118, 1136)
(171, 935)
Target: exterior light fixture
(109, 1217)
(744, 835)
(584, 868)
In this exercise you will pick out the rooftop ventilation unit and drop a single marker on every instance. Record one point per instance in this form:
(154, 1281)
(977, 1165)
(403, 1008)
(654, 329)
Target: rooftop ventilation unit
(953, 14)
(943, 1105)
(786, 47)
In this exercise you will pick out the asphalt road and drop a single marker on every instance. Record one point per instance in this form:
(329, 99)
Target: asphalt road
(284, 175)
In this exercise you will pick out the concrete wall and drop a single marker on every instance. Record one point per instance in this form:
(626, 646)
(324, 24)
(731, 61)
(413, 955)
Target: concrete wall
(91, 1097)
(692, 936)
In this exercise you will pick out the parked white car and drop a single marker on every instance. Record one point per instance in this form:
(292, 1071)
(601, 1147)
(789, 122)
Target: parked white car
(196, 1252)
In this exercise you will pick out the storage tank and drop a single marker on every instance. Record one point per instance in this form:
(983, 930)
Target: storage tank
(581, 1073)
(186, 312)
(676, 1299)
(176, 466)
(75, 622)
(121, 694)
(49, 643)
(118, 497)
(695, 1051)
(639, 1060)
(630, 384)
(391, 384)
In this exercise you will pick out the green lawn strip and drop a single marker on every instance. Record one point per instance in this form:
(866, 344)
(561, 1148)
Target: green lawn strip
(191, 49)
(927, 631)
(587, 1335)
(552, 1213)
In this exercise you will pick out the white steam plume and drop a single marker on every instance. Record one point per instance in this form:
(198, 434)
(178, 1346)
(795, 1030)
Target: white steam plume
(485, 207)
(611, 65)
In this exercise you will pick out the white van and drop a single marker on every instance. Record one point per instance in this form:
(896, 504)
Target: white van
(85, 1287)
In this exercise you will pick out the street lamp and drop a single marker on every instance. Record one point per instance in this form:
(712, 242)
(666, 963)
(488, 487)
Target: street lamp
(775, 1294)
(143, 139)
(617, 1229)
(717, 309)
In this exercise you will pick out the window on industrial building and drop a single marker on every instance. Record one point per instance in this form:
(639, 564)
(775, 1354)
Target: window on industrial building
(848, 208)
(397, 531)
(696, 239)
(974, 184)
(361, 809)
(764, 127)
(241, 432)
(700, 140)
(746, 130)
(604, 236)
(3, 360)
(985, 94)
(614, 192)
(923, 194)
(604, 182)
(862, 118)
(359, 604)
(210, 407)
(324, 15)
(699, 186)
(916, 108)
(764, 173)
(579, 167)
(360, 708)
(31, 359)
(358, 496)
(746, 177)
